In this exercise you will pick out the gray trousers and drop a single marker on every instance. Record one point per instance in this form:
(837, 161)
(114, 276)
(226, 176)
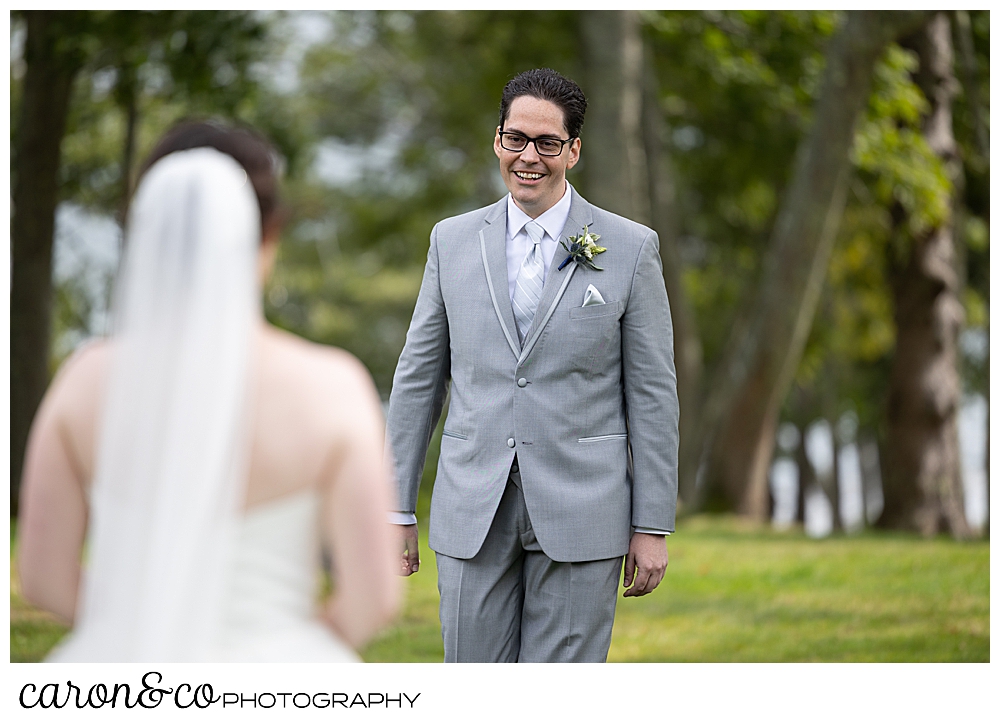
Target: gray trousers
(512, 604)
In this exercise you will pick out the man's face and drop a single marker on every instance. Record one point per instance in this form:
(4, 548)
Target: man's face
(536, 182)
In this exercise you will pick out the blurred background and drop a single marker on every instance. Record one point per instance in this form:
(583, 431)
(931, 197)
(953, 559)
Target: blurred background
(819, 181)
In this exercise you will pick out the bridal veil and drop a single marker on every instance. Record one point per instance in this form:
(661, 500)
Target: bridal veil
(173, 442)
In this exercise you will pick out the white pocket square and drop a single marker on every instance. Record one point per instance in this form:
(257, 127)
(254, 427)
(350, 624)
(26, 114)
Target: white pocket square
(592, 297)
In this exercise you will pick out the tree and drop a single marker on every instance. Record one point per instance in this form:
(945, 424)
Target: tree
(922, 471)
(753, 383)
(201, 54)
(54, 56)
(386, 90)
(627, 170)
(728, 99)
(615, 166)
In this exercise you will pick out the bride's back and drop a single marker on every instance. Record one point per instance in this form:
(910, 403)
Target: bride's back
(196, 409)
(308, 403)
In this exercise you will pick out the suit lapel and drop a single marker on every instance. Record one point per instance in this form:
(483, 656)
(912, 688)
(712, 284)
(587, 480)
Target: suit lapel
(493, 247)
(580, 215)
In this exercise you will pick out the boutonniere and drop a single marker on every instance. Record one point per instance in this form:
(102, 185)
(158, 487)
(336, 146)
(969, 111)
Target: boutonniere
(582, 249)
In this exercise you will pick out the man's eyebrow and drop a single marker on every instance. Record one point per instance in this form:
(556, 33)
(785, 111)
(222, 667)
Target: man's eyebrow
(522, 133)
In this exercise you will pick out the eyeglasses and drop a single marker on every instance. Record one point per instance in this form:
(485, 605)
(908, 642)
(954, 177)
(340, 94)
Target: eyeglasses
(517, 142)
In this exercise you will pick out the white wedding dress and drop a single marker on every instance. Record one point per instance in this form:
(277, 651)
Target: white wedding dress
(176, 570)
(270, 594)
(270, 598)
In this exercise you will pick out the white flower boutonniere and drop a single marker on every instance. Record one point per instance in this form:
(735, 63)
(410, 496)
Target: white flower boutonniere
(582, 249)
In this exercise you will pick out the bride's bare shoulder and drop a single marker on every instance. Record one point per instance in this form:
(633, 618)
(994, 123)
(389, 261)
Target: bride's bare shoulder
(83, 373)
(74, 396)
(314, 366)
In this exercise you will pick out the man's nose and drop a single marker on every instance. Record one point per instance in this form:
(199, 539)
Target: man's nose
(530, 153)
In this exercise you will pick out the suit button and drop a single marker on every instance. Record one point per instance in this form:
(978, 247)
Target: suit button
(510, 442)
(522, 382)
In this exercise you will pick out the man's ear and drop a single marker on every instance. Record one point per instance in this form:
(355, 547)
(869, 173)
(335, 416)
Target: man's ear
(497, 148)
(574, 153)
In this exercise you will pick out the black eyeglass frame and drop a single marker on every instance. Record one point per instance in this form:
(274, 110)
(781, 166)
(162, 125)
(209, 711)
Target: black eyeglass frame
(529, 139)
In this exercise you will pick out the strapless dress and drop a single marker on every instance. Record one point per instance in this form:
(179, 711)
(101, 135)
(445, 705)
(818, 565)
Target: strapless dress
(270, 598)
(270, 603)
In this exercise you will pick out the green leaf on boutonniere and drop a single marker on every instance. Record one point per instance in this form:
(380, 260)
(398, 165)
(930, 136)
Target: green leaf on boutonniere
(582, 249)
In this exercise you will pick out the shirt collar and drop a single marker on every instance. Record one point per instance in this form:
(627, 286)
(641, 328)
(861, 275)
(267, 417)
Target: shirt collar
(553, 220)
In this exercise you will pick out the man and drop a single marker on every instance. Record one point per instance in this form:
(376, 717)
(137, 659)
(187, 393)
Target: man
(559, 454)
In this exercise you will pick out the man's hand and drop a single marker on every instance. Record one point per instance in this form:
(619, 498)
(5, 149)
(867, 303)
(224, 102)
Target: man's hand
(645, 563)
(411, 552)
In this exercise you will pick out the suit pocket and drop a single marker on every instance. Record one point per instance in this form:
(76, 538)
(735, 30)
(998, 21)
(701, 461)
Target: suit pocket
(454, 435)
(602, 438)
(590, 312)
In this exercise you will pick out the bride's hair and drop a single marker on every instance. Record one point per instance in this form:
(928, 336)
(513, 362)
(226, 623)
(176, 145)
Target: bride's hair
(249, 148)
(176, 417)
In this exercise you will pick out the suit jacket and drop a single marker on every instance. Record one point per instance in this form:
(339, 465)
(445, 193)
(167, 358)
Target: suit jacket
(588, 404)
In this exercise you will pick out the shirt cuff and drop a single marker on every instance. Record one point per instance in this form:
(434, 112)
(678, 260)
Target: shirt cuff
(402, 518)
(409, 518)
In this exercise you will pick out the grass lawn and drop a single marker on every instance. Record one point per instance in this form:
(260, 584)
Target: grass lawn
(735, 592)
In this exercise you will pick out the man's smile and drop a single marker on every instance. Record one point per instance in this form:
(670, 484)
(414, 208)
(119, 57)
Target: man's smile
(536, 181)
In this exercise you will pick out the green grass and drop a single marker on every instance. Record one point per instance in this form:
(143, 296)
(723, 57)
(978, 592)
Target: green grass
(734, 592)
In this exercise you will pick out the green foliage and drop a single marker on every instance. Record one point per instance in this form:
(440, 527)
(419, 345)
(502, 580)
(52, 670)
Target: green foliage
(160, 66)
(405, 103)
(737, 89)
(164, 64)
(845, 364)
(850, 347)
(973, 231)
(386, 91)
(890, 146)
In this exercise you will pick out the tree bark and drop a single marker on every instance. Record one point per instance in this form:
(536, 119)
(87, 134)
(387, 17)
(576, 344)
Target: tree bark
(614, 160)
(923, 480)
(807, 477)
(963, 29)
(871, 477)
(628, 171)
(831, 486)
(52, 60)
(126, 93)
(664, 218)
(757, 373)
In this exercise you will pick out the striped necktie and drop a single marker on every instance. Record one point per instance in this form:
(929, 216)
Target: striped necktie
(528, 286)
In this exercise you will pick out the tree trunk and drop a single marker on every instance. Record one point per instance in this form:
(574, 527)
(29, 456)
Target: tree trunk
(832, 483)
(126, 93)
(687, 344)
(963, 29)
(871, 476)
(614, 161)
(923, 480)
(807, 477)
(52, 60)
(627, 171)
(759, 368)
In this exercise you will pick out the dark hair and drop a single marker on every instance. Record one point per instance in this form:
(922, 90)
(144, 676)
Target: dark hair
(246, 146)
(547, 84)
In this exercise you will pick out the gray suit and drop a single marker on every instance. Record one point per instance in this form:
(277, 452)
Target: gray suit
(588, 404)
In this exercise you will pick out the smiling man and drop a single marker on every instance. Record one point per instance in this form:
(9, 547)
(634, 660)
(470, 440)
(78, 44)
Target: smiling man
(559, 453)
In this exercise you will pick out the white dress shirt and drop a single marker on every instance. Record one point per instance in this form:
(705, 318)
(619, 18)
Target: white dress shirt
(518, 246)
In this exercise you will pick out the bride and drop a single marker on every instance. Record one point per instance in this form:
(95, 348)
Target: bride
(204, 456)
